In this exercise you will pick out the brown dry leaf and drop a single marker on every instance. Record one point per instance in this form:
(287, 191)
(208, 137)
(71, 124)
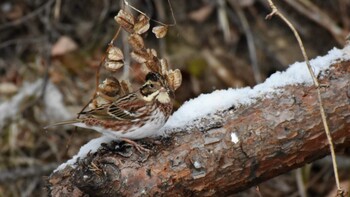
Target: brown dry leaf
(174, 79)
(7, 88)
(113, 66)
(63, 45)
(115, 54)
(136, 42)
(139, 56)
(160, 31)
(142, 24)
(202, 13)
(125, 20)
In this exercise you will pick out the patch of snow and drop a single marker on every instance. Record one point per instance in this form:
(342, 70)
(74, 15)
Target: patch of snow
(92, 146)
(197, 164)
(234, 138)
(206, 104)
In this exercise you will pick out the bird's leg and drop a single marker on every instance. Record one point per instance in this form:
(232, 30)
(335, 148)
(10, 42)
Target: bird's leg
(137, 146)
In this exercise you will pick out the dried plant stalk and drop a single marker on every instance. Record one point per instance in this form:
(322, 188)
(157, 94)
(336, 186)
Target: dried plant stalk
(323, 115)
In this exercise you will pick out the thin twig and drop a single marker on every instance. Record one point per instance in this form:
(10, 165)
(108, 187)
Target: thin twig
(20, 173)
(223, 20)
(257, 189)
(250, 40)
(156, 21)
(97, 79)
(300, 183)
(28, 16)
(323, 115)
(161, 15)
(314, 13)
(22, 41)
(47, 53)
(57, 10)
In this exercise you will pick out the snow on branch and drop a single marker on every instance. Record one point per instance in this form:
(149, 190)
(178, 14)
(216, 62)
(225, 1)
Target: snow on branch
(219, 100)
(225, 141)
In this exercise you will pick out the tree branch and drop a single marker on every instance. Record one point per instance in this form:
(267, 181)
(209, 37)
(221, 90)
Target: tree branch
(245, 146)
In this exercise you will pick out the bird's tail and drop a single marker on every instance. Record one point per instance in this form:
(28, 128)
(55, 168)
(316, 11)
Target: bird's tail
(67, 122)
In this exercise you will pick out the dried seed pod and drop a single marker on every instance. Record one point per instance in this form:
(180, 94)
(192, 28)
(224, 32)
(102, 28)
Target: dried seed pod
(110, 87)
(125, 20)
(139, 56)
(142, 24)
(113, 66)
(160, 31)
(153, 65)
(164, 66)
(104, 99)
(136, 42)
(174, 79)
(125, 87)
(152, 53)
(115, 54)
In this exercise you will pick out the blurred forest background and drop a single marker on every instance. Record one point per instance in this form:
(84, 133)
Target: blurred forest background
(50, 50)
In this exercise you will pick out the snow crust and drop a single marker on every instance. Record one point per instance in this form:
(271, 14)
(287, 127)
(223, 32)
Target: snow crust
(297, 73)
(234, 138)
(207, 104)
(90, 147)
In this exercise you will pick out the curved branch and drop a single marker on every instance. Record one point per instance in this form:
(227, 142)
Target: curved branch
(242, 148)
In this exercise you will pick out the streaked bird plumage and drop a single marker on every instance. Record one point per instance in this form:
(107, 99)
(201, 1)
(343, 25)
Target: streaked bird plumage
(136, 115)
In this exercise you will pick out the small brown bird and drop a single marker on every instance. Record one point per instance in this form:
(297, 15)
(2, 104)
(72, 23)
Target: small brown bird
(134, 116)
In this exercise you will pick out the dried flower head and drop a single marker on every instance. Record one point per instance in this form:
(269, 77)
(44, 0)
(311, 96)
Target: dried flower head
(174, 79)
(136, 42)
(115, 54)
(113, 66)
(125, 20)
(142, 24)
(160, 31)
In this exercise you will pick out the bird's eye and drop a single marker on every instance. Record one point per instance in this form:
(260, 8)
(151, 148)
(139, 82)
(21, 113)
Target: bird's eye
(151, 76)
(151, 85)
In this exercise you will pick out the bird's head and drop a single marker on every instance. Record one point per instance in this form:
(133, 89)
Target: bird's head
(156, 88)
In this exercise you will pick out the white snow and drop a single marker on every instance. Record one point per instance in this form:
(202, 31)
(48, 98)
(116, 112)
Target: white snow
(92, 146)
(234, 138)
(207, 104)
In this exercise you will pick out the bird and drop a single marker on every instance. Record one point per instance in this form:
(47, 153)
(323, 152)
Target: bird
(136, 115)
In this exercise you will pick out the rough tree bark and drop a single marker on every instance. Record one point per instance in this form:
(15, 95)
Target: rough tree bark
(275, 136)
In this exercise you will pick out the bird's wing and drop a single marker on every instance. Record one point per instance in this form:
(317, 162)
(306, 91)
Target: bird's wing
(128, 107)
